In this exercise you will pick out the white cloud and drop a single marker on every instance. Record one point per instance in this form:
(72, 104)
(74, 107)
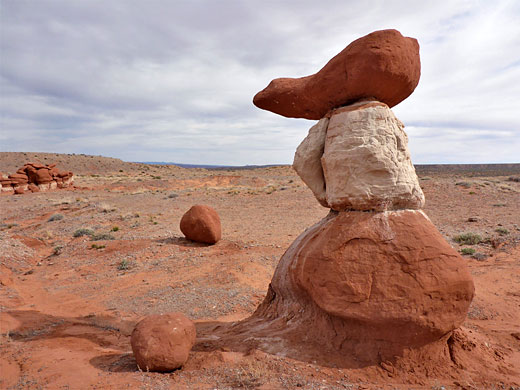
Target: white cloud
(174, 81)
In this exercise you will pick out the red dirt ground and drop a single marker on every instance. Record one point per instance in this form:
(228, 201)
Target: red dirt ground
(68, 304)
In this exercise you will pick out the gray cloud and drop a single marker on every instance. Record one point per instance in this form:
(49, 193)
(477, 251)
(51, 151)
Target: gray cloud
(174, 80)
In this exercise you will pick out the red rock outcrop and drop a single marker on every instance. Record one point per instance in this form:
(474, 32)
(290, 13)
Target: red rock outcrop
(202, 224)
(382, 65)
(36, 177)
(163, 342)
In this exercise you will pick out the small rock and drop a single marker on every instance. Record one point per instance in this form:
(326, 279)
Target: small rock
(163, 342)
(202, 224)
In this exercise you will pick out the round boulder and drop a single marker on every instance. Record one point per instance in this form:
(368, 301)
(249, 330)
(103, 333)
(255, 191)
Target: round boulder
(202, 224)
(162, 342)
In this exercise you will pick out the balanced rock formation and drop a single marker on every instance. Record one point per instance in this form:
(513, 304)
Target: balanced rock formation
(36, 177)
(163, 342)
(374, 280)
(202, 224)
(382, 65)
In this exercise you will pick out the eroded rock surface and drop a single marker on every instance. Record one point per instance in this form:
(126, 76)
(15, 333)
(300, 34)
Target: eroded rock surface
(359, 160)
(382, 65)
(361, 287)
(307, 160)
(366, 162)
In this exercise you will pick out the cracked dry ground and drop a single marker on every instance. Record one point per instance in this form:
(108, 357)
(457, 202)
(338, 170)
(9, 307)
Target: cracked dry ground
(69, 302)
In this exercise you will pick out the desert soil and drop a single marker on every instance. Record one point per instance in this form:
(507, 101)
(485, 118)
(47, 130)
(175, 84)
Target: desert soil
(69, 302)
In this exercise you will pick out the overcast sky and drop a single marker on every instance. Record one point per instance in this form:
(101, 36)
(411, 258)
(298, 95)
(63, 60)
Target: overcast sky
(172, 80)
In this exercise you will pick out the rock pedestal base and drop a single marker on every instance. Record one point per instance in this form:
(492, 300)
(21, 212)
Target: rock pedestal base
(365, 287)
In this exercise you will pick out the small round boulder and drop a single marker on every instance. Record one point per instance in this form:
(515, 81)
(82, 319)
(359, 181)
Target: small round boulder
(202, 224)
(162, 342)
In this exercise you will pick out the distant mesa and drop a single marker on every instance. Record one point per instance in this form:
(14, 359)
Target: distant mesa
(35, 177)
(383, 65)
(201, 223)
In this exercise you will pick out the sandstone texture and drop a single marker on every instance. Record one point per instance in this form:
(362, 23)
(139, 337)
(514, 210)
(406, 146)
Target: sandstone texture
(201, 223)
(307, 160)
(366, 162)
(382, 65)
(163, 342)
(35, 177)
(370, 284)
(359, 160)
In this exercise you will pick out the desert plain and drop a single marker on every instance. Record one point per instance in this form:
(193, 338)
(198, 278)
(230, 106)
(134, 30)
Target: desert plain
(81, 266)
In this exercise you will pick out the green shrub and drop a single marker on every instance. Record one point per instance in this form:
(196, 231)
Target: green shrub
(101, 237)
(467, 251)
(468, 239)
(95, 246)
(502, 231)
(83, 232)
(124, 265)
(115, 228)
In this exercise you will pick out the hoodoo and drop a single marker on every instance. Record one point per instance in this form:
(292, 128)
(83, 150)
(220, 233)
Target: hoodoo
(374, 280)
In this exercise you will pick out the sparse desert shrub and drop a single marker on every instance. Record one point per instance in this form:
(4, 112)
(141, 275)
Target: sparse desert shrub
(173, 195)
(468, 239)
(106, 208)
(124, 265)
(156, 177)
(472, 192)
(102, 237)
(115, 228)
(502, 231)
(57, 250)
(499, 205)
(467, 251)
(479, 256)
(516, 179)
(55, 217)
(95, 246)
(464, 184)
(83, 232)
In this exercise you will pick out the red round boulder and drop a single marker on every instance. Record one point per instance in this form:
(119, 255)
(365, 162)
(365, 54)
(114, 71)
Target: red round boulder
(382, 65)
(162, 342)
(202, 224)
